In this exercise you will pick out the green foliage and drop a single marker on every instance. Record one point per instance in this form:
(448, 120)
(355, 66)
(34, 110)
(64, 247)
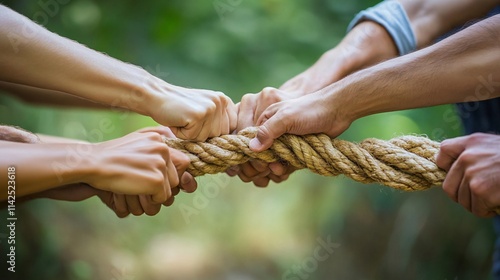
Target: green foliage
(228, 229)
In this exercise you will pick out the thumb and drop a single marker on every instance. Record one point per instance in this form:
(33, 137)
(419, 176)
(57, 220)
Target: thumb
(271, 129)
(181, 161)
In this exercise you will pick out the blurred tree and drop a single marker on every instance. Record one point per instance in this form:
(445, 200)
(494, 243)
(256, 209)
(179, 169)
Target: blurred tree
(249, 45)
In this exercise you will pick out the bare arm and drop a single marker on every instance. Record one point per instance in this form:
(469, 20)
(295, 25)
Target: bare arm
(368, 43)
(463, 67)
(433, 18)
(32, 56)
(138, 163)
(40, 96)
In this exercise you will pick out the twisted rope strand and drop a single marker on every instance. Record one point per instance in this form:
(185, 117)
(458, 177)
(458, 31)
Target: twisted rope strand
(405, 163)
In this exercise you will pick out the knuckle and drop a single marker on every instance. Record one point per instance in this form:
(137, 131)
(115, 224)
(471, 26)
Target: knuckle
(467, 157)
(450, 191)
(210, 109)
(174, 182)
(154, 136)
(247, 98)
(479, 187)
(270, 94)
(476, 137)
(157, 181)
(446, 146)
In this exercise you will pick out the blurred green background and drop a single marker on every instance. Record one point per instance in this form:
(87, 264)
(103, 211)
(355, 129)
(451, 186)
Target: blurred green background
(228, 229)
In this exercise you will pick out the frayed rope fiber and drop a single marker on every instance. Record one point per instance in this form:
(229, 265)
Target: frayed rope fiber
(404, 163)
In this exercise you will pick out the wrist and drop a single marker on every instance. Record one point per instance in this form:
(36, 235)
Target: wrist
(139, 93)
(90, 169)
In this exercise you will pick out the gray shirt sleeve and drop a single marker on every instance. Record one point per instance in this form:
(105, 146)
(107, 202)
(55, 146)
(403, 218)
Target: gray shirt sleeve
(392, 16)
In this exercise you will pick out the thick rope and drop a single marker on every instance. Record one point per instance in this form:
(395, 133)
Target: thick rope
(404, 163)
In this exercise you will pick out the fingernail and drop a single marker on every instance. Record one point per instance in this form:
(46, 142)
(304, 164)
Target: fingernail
(255, 144)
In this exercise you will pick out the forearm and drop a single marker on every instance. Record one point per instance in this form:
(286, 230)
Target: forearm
(33, 56)
(40, 96)
(433, 18)
(56, 139)
(366, 44)
(454, 70)
(40, 167)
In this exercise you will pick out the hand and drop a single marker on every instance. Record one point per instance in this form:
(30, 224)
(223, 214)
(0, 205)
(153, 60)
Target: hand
(194, 113)
(186, 181)
(367, 44)
(122, 204)
(328, 69)
(473, 166)
(138, 163)
(249, 110)
(313, 113)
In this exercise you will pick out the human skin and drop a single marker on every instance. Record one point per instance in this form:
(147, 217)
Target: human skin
(447, 72)
(110, 183)
(38, 62)
(473, 166)
(365, 45)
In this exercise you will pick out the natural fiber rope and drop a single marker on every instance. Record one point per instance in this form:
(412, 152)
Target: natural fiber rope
(404, 163)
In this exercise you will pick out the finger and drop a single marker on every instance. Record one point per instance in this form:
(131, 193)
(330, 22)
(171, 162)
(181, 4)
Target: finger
(272, 124)
(149, 207)
(134, 205)
(232, 113)
(249, 171)
(259, 165)
(188, 132)
(266, 98)
(261, 182)
(225, 125)
(233, 170)
(172, 178)
(480, 209)
(464, 195)
(206, 129)
(228, 111)
(246, 111)
(278, 168)
(244, 178)
(175, 191)
(162, 130)
(453, 180)
(269, 130)
(181, 161)
(278, 179)
(120, 205)
(449, 151)
(169, 201)
(188, 183)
